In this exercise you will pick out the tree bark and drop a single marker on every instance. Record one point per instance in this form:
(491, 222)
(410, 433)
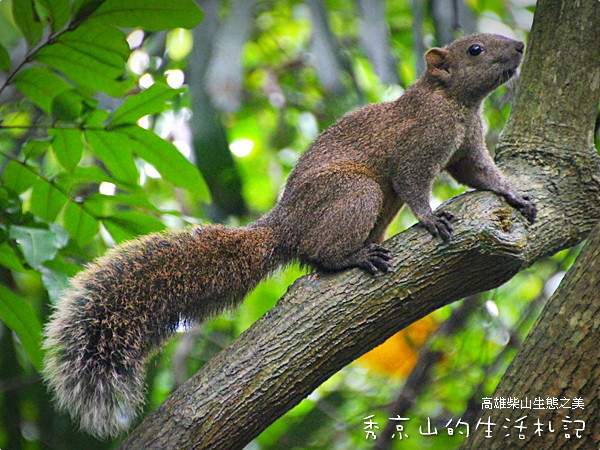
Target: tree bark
(421, 374)
(558, 359)
(326, 321)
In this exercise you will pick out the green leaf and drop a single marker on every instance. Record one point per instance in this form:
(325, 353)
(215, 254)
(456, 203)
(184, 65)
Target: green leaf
(165, 158)
(151, 101)
(104, 44)
(83, 8)
(93, 56)
(113, 149)
(12, 207)
(151, 15)
(41, 86)
(39, 245)
(55, 276)
(9, 258)
(27, 20)
(35, 147)
(98, 201)
(92, 174)
(19, 316)
(80, 224)
(62, 266)
(67, 106)
(4, 59)
(126, 225)
(67, 146)
(17, 177)
(96, 118)
(59, 10)
(55, 282)
(118, 232)
(47, 200)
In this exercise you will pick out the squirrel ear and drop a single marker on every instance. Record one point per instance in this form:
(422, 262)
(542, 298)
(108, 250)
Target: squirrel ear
(437, 63)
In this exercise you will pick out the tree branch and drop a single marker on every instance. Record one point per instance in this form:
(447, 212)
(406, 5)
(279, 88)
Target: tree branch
(420, 375)
(558, 359)
(326, 321)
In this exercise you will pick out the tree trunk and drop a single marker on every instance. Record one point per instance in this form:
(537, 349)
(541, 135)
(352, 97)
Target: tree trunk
(326, 321)
(374, 37)
(559, 359)
(211, 146)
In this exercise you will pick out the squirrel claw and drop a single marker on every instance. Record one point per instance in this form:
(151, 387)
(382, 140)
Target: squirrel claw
(524, 204)
(439, 224)
(376, 258)
(446, 214)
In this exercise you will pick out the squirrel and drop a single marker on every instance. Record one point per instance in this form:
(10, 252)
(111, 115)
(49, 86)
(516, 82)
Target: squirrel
(339, 199)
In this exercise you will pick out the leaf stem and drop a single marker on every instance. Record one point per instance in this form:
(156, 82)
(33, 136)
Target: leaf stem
(31, 55)
(49, 181)
(52, 127)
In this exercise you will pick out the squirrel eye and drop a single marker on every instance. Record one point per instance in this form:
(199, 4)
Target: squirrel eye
(475, 50)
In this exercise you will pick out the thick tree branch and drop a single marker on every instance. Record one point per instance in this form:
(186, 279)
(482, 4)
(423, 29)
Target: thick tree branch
(324, 321)
(558, 359)
(421, 374)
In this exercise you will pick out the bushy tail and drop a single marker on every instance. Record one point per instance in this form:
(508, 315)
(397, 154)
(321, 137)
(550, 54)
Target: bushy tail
(127, 302)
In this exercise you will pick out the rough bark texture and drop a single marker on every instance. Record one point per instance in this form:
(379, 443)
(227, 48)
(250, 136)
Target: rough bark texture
(420, 376)
(324, 321)
(558, 359)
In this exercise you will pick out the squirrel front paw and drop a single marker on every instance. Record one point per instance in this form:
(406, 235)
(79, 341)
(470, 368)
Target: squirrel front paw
(524, 204)
(439, 224)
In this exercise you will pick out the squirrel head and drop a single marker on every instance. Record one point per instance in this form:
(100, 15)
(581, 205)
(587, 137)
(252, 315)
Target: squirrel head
(473, 66)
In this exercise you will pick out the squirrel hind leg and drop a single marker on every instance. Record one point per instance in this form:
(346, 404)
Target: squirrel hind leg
(339, 238)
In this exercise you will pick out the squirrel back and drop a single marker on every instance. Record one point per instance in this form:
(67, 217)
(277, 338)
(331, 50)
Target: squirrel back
(123, 305)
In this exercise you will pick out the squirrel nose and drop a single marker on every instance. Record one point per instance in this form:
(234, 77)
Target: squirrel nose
(520, 46)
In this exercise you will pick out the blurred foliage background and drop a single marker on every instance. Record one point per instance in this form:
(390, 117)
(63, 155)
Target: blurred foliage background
(117, 124)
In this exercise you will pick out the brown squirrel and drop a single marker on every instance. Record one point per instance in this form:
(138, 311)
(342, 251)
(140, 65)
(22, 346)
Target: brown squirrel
(337, 203)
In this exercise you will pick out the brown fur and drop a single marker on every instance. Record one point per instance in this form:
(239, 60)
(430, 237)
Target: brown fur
(338, 201)
(353, 180)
